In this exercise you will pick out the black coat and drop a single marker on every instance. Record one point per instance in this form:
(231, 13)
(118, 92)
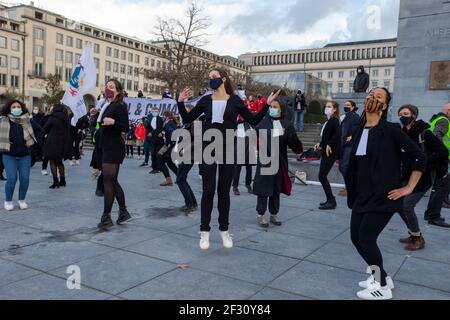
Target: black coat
(436, 154)
(59, 142)
(362, 81)
(268, 185)
(384, 150)
(332, 137)
(110, 137)
(155, 138)
(349, 126)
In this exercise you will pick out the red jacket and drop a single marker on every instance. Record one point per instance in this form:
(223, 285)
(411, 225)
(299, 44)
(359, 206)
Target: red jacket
(140, 132)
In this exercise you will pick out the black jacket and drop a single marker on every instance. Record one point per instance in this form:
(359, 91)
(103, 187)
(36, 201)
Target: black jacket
(16, 137)
(362, 80)
(332, 137)
(155, 138)
(435, 151)
(59, 142)
(349, 126)
(110, 137)
(384, 151)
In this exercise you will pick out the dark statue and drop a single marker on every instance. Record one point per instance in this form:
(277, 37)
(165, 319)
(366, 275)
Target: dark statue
(362, 81)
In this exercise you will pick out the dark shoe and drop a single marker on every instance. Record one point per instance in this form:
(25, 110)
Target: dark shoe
(329, 205)
(99, 193)
(249, 189)
(2, 178)
(262, 222)
(191, 209)
(426, 217)
(236, 192)
(445, 205)
(55, 184)
(274, 220)
(184, 208)
(418, 243)
(323, 203)
(144, 165)
(105, 223)
(154, 172)
(439, 223)
(124, 216)
(62, 182)
(407, 240)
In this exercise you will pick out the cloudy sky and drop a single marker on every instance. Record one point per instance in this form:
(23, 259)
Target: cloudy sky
(240, 26)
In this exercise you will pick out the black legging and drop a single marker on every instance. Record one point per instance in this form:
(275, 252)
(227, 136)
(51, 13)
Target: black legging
(209, 178)
(57, 165)
(248, 175)
(130, 149)
(326, 164)
(164, 164)
(365, 229)
(112, 187)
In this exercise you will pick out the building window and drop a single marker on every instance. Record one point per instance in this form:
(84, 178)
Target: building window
(59, 38)
(4, 61)
(69, 57)
(123, 69)
(96, 48)
(39, 15)
(136, 86)
(387, 72)
(123, 55)
(122, 81)
(77, 57)
(341, 74)
(137, 59)
(15, 81)
(39, 51)
(145, 87)
(59, 71)
(79, 44)
(340, 87)
(320, 75)
(350, 87)
(329, 88)
(340, 55)
(69, 41)
(364, 54)
(330, 75)
(108, 51)
(158, 64)
(136, 72)
(129, 85)
(38, 69)
(59, 55)
(379, 53)
(116, 53)
(3, 80)
(115, 67)
(130, 57)
(15, 63)
(3, 42)
(352, 74)
(68, 74)
(130, 70)
(387, 84)
(97, 62)
(107, 79)
(384, 52)
(38, 34)
(108, 66)
(15, 45)
(375, 73)
(147, 61)
(374, 84)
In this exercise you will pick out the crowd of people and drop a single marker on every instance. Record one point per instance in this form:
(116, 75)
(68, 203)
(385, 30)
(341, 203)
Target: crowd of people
(387, 168)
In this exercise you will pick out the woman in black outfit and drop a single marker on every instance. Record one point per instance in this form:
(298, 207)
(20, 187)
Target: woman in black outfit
(331, 149)
(375, 189)
(57, 147)
(221, 110)
(114, 122)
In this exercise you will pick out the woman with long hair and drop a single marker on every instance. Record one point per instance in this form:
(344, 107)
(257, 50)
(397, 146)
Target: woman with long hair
(18, 134)
(113, 123)
(221, 109)
(331, 149)
(58, 146)
(375, 190)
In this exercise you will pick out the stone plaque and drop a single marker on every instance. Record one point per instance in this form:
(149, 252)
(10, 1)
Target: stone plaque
(440, 75)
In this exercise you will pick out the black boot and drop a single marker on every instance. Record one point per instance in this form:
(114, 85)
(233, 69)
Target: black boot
(106, 222)
(99, 193)
(329, 205)
(55, 184)
(124, 216)
(62, 182)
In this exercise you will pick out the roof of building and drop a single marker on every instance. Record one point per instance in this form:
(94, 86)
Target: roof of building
(354, 43)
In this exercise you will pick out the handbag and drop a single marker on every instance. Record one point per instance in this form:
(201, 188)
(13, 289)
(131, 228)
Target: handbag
(163, 150)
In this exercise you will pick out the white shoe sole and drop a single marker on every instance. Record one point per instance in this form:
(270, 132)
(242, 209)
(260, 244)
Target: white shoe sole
(389, 282)
(382, 298)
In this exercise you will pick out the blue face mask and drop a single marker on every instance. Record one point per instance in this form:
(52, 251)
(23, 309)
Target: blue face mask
(155, 114)
(215, 83)
(274, 113)
(16, 112)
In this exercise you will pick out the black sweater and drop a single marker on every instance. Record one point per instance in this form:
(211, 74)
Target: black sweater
(111, 136)
(384, 151)
(332, 137)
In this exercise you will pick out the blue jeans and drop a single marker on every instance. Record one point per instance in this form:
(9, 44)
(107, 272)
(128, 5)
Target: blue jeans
(14, 165)
(298, 121)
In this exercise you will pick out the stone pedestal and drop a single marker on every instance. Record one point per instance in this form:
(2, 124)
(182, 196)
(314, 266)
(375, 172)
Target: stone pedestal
(423, 37)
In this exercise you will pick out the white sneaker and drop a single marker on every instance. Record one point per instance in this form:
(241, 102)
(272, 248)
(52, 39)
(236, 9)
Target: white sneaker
(71, 163)
(204, 240)
(44, 172)
(77, 162)
(366, 284)
(23, 205)
(226, 239)
(9, 206)
(375, 292)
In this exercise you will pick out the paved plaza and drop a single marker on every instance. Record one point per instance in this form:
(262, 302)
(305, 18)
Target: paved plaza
(156, 255)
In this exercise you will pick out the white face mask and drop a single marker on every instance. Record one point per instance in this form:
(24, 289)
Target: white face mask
(329, 112)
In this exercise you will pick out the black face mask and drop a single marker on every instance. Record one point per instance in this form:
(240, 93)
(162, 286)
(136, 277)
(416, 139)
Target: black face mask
(347, 109)
(406, 121)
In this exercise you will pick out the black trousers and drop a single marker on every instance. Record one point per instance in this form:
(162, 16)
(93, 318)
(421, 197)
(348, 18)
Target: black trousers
(130, 149)
(76, 148)
(438, 194)
(326, 164)
(248, 175)
(274, 204)
(365, 229)
(154, 149)
(223, 185)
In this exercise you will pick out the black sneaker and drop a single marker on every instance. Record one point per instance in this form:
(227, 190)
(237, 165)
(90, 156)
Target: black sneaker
(144, 165)
(329, 205)
(124, 216)
(236, 192)
(439, 223)
(249, 189)
(105, 223)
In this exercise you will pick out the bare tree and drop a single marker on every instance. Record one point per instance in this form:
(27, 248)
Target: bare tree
(179, 37)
